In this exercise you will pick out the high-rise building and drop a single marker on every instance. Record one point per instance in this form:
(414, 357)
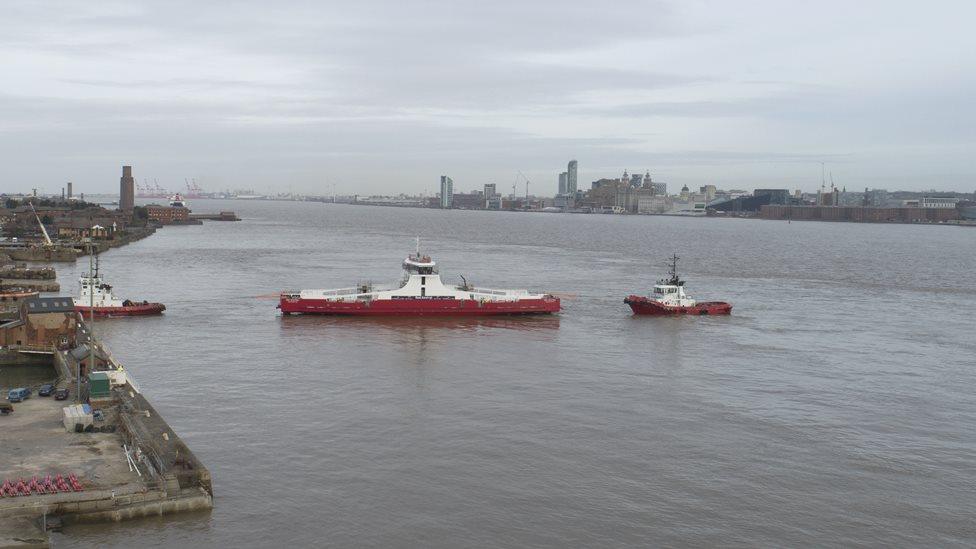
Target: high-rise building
(69, 189)
(563, 177)
(447, 191)
(490, 192)
(127, 195)
(571, 176)
(493, 200)
(709, 192)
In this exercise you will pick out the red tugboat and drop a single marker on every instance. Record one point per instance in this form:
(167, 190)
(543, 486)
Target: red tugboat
(420, 293)
(97, 297)
(669, 298)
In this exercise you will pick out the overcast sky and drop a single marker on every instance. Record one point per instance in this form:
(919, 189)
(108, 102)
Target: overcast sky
(385, 96)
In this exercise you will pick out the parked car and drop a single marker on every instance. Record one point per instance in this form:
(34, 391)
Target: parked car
(46, 390)
(18, 394)
(61, 394)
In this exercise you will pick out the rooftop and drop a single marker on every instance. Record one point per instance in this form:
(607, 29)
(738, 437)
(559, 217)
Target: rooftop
(50, 305)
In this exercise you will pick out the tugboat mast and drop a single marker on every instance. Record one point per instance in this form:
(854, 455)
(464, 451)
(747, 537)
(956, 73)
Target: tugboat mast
(674, 280)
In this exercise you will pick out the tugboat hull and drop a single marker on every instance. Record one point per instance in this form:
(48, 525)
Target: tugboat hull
(644, 306)
(419, 307)
(138, 309)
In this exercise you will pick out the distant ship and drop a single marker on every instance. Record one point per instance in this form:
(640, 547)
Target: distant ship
(421, 293)
(97, 297)
(669, 298)
(177, 201)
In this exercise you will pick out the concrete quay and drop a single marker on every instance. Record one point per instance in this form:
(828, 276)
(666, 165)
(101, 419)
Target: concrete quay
(163, 476)
(221, 216)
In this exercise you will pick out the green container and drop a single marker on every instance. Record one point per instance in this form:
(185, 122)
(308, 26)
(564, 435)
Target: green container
(99, 385)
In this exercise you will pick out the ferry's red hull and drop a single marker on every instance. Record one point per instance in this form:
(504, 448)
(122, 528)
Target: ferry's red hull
(419, 307)
(138, 309)
(644, 306)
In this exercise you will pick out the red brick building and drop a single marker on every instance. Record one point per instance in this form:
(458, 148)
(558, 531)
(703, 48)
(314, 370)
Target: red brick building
(44, 323)
(167, 215)
(859, 214)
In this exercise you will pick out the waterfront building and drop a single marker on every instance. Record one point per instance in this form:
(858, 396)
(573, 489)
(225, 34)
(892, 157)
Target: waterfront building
(78, 229)
(491, 195)
(468, 201)
(859, 214)
(875, 197)
(751, 204)
(69, 190)
(447, 192)
(649, 201)
(44, 323)
(938, 202)
(776, 196)
(709, 191)
(571, 177)
(563, 179)
(127, 192)
(167, 215)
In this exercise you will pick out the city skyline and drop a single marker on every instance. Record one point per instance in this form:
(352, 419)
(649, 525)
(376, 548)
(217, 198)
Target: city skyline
(736, 96)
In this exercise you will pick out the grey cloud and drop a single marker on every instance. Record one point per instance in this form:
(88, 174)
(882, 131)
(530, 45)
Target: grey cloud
(387, 95)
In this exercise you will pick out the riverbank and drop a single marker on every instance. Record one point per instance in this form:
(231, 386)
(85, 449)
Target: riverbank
(128, 464)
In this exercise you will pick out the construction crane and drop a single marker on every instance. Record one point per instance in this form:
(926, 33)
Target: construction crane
(47, 239)
(527, 183)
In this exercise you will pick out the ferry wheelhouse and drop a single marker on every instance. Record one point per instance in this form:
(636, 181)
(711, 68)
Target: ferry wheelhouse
(421, 292)
(668, 297)
(97, 297)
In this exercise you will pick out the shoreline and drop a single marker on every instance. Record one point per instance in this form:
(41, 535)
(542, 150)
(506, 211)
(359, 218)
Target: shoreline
(158, 474)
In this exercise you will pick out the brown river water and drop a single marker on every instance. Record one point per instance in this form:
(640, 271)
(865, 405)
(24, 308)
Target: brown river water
(834, 407)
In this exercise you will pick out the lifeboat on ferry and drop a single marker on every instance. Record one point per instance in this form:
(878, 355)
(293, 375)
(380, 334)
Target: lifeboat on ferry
(96, 298)
(421, 292)
(669, 298)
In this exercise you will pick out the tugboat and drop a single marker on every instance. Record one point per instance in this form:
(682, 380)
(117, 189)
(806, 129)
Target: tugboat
(669, 298)
(420, 293)
(97, 297)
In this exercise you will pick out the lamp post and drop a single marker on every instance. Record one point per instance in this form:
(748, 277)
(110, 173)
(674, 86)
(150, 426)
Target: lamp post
(91, 309)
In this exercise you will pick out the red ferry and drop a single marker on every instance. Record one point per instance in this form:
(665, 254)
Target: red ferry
(669, 298)
(97, 297)
(420, 293)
